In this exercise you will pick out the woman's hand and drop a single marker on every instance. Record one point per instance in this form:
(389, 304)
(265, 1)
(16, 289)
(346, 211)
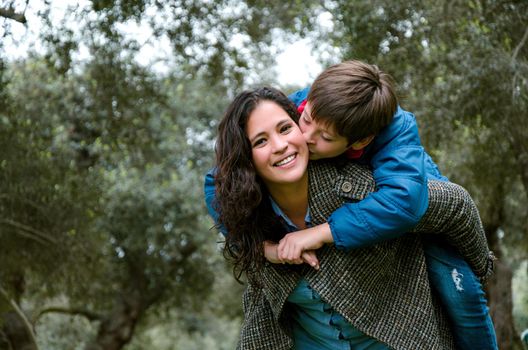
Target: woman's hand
(271, 253)
(292, 246)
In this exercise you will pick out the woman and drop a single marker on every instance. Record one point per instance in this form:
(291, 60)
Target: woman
(376, 297)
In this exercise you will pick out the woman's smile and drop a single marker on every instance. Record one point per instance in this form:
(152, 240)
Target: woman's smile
(286, 161)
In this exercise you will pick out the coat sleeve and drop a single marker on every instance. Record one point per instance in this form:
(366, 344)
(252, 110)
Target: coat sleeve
(453, 214)
(398, 204)
(260, 329)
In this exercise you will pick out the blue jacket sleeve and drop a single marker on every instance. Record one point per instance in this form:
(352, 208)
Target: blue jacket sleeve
(299, 96)
(210, 197)
(401, 199)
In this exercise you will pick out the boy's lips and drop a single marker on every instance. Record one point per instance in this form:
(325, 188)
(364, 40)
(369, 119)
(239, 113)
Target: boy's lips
(312, 155)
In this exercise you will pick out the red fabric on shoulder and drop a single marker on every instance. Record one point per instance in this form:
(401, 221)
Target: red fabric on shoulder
(300, 109)
(354, 154)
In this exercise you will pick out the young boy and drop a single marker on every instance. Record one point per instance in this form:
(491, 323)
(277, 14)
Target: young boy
(352, 109)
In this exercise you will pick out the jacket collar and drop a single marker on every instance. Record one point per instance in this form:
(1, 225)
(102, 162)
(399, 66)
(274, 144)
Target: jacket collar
(330, 186)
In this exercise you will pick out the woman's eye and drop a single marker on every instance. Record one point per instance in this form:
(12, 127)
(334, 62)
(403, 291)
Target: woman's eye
(285, 128)
(259, 142)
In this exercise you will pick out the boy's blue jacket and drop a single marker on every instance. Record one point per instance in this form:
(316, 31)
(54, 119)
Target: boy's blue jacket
(400, 168)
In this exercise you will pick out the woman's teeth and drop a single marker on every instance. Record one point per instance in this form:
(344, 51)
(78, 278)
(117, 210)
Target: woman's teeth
(285, 160)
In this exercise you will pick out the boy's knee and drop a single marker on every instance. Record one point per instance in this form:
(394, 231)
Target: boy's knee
(462, 290)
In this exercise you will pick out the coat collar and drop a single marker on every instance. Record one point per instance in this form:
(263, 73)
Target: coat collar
(330, 186)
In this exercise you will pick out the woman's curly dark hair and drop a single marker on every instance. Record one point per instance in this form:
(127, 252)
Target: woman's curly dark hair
(241, 197)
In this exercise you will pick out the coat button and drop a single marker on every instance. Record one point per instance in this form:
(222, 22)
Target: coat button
(346, 187)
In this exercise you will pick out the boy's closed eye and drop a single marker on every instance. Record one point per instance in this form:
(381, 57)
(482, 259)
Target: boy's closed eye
(327, 138)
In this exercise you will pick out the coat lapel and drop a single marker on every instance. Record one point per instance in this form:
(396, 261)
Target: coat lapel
(330, 188)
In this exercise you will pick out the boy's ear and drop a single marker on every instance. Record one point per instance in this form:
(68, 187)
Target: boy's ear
(356, 146)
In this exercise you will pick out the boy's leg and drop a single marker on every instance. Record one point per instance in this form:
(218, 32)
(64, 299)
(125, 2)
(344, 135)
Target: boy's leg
(462, 296)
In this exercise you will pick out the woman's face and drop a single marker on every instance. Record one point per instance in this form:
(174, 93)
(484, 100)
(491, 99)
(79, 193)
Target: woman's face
(280, 154)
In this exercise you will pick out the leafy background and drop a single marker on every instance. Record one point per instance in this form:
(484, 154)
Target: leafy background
(105, 243)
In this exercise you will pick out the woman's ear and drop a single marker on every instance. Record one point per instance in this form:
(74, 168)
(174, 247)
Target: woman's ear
(356, 146)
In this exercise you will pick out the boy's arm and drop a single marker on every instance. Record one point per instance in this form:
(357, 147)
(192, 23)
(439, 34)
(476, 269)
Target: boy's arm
(399, 171)
(394, 209)
(451, 213)
(299, 96)
(210, 197)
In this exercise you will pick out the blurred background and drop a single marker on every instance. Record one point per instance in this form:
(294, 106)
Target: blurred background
(108, 115)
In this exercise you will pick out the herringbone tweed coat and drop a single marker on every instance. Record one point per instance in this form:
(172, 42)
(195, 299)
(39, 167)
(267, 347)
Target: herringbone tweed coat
(382, 290)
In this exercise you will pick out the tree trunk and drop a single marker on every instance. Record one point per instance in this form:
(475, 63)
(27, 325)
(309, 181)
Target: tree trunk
(499, 293)
(16, 331)
(15, 334)
(117, 328)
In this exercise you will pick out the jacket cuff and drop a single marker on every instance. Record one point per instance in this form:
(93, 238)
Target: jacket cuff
(338, 242)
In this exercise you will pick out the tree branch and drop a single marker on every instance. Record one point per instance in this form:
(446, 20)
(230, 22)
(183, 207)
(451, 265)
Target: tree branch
(12, 14)
(513, 61)
(26, 201)
(20, 313)
(30, 232)
(91, 316)
(519, 47)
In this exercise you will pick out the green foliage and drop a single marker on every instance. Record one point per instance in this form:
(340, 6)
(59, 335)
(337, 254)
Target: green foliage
(151, 219)
(215, 326)
(55, 331)
(43, 207)
(119, 159)
(520, 297)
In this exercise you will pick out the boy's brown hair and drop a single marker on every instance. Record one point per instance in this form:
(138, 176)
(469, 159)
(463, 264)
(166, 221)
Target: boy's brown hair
(357, 98)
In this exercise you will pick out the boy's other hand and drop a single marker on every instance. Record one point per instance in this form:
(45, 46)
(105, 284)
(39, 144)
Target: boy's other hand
(309, 257)
(271, 253)
(292, 246)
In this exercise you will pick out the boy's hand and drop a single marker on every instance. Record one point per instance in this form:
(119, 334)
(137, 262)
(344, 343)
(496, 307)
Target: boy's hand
(309, 257)
(271, 253)
(292, 246)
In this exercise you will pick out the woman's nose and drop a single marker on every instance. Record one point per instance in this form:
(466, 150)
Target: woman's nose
(279, 144)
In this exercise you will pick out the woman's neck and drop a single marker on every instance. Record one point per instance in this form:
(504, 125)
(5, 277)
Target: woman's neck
(293, 200)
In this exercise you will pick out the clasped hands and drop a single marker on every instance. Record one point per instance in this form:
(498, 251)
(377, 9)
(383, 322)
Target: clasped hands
(299, 247)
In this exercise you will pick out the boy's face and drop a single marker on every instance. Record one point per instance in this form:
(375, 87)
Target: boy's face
(323, 140)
